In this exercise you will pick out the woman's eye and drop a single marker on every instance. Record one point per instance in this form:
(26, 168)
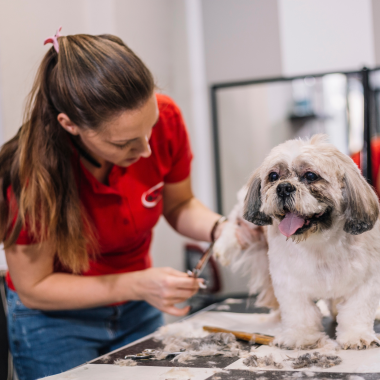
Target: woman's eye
(122, 146)
(273, 176)
(310, 176)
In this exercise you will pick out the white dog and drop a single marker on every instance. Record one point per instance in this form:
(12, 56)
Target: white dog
(323, 242)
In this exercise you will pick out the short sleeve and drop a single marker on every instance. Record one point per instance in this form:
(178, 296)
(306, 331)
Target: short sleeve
(181, 150)
(24, 237)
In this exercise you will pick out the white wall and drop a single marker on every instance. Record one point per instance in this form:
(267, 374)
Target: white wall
(325, 35)
(376, 29)
(99, 17)
(242, 39)
(23, 27)
(249, 39)
(201, 136)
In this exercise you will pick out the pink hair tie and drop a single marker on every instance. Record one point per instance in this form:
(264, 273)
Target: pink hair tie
(54, 40)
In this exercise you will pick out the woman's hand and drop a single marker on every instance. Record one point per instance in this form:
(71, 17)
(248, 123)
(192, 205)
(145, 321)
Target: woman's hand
(39, 287)
(247, 233)
(165, 287)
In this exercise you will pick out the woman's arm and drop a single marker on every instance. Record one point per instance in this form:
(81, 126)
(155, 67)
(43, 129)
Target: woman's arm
(186, 214)
(31, 269)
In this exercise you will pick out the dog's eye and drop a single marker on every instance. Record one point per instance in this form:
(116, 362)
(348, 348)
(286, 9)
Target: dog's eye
(311, 177)
(273, 176)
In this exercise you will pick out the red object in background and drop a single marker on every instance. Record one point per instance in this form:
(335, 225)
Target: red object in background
(375, 156)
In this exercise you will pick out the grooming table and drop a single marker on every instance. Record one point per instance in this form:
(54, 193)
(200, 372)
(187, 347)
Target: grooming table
(207, 368)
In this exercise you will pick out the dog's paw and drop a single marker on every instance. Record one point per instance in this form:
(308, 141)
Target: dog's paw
(357, 340)
(291, 340)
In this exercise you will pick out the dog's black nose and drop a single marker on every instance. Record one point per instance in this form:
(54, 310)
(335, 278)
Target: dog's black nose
(285, 189)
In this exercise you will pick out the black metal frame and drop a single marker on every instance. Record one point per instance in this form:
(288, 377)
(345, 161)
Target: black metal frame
(366, 162)
(367, 94)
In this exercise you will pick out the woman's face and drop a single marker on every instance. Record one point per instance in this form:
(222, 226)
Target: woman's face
(123, 139)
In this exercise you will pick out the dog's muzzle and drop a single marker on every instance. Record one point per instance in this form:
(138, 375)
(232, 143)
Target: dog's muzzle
(285, 189)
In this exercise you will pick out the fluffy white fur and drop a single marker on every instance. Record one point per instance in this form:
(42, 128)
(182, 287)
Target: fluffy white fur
(337, 258)
(252, 261)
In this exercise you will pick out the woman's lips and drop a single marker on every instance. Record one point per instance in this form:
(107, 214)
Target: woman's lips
(132, 160)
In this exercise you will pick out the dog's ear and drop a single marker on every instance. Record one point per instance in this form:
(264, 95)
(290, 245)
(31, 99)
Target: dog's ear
(252, 203)
(360, 202)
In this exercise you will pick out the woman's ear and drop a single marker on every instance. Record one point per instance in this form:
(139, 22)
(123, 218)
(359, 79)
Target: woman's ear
(360, 202)
(67, 124)
(252, 202)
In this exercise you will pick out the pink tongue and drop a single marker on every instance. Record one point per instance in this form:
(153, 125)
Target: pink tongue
(290, 224)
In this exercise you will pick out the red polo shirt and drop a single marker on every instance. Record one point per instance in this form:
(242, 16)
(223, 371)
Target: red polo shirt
(125, 212)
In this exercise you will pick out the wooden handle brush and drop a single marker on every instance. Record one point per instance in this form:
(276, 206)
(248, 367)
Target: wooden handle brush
(253, 338)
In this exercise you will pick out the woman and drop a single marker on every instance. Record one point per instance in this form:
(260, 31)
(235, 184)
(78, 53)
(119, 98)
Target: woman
(97, 160)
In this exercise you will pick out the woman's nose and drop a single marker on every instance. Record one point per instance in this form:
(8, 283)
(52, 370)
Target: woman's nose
(145, 148)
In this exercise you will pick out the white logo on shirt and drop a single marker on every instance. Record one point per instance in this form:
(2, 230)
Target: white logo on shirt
(151, 197)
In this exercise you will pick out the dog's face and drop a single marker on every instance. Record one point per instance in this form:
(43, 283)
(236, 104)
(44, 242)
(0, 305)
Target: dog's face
(308, 186)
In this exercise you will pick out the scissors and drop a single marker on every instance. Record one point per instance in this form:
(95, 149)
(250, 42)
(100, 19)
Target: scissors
(201, 263)
(149, 354)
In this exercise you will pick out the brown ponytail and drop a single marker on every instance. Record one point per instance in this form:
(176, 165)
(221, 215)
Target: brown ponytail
(91, 79)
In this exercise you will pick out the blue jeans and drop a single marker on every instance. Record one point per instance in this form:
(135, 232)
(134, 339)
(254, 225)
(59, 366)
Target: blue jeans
(46, 343)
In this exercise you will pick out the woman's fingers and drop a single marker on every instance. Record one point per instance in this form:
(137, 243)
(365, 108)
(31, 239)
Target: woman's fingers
(175, 272)
(183, 280)
(174, 301)
(166, 287)
(188, 283)
(247, 233)
(175, 290)
(179, 293)
(176, 310)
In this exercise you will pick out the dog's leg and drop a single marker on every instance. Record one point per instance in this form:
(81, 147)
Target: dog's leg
(356, 316)
(332, 304)
(301, 322)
